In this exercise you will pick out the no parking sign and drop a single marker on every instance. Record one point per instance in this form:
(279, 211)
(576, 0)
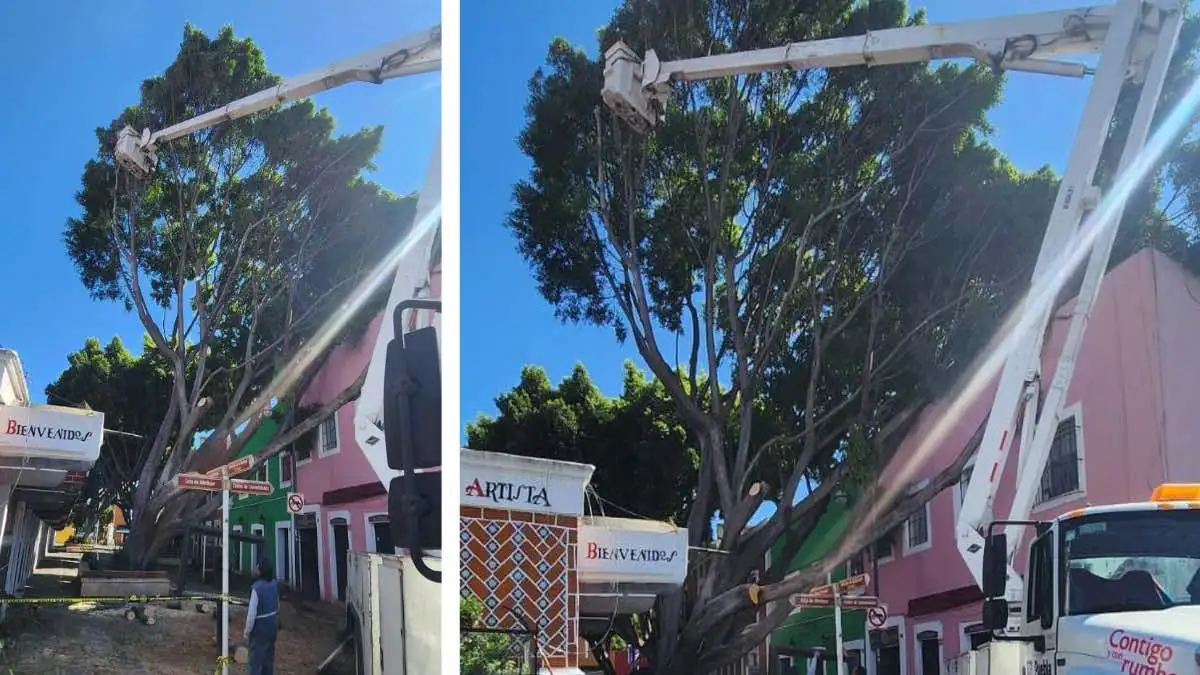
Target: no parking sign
(877, 616)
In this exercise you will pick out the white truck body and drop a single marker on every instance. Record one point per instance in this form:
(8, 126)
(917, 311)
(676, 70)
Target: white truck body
(1110, 589)
(382, 591)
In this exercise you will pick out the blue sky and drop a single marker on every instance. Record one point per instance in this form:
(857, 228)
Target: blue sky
(506, 323)
(71, 71)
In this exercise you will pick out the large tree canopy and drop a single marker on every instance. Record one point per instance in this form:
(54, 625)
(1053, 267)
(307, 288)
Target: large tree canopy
(835, 246)
(645, 464)
(245, 242)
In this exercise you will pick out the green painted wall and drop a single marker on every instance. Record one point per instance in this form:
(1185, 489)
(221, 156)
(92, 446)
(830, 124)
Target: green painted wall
(814, 626)
(248, 511)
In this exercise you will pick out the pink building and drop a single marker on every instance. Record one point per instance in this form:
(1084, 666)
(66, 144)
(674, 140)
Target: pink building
(345, 502)
(1128, 424)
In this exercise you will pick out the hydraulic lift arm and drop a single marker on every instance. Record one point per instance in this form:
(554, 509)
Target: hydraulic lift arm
(411, 55)
(1134, 40)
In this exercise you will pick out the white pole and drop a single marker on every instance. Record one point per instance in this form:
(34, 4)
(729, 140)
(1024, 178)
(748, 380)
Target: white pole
(225, 572)
(837, 627)
(868, 660)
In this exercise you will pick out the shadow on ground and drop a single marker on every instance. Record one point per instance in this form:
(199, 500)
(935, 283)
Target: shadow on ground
(83, 638)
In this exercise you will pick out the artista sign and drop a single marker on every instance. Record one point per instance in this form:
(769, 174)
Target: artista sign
(1140, 654)
(34, 432)
(508, 493)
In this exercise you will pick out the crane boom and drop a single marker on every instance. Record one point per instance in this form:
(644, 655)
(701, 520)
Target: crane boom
(1134, 40)
(414, 54)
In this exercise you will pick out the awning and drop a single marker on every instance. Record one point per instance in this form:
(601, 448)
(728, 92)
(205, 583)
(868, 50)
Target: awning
(66, 437)
(629, 550)
(623, 564)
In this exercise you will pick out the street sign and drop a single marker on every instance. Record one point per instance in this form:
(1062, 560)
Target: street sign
(846, 601)
(859, 602)
(295, 502)
(198, 481)
(877, 616)
(810, 600)
(250, 487)
(75, 478)
(237, 466)
(857, 582)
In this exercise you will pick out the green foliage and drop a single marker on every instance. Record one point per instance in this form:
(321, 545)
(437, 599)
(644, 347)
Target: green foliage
(247, 238)
(481, 653)
(643, 458)
(132, 392)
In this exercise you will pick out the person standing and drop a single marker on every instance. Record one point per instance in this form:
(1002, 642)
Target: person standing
(262, 619)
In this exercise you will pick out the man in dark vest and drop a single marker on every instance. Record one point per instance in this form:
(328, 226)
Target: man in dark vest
(262, 619)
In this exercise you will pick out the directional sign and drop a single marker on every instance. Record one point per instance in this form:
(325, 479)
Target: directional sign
(198, 481)
(810, 600)
(859, 602)
(877, 616)
(847, 602)
(857, 582)
(237, 466)
(295, 502)
(250, 487)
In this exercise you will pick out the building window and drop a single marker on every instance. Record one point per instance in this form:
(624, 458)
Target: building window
(857, 564)
(285, 469)
(303, 452)
(329, 436)
(1061, 475)
(884, 547)
(380, 529)
(963, 481)
(916, 530)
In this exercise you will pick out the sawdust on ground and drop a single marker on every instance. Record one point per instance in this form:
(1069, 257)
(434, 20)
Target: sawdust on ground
(88, 640)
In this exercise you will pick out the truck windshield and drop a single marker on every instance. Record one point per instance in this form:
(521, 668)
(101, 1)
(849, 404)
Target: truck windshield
(1131, 561)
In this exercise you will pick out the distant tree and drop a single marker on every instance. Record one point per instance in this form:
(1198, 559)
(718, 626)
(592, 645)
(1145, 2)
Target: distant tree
(235, 254)
(132, 391)
(645, 463)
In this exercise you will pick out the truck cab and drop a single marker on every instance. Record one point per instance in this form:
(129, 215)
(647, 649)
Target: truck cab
(1108, 589)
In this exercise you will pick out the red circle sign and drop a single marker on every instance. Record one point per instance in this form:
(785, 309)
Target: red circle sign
(295, 502)
(876, 616)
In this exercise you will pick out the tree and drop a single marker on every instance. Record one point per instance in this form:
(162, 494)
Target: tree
(239, 255)
(836, 246)
(132, 391)
(644, 461)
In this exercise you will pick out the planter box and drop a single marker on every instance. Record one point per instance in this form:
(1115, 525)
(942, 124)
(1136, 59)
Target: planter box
(94, 584)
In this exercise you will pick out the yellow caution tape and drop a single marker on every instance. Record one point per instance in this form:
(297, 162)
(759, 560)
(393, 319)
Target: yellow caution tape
(131, 599)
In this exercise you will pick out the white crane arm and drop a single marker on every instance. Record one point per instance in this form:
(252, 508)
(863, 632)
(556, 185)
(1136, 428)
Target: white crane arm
(637, 88)
(411, 55)
(1135, 40)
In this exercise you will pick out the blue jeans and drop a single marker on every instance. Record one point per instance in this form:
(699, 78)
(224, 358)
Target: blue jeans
(262, 646)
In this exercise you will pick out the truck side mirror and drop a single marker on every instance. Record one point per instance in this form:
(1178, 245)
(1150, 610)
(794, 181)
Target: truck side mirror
(412, 422)
(412, 411)
(995, 613)
(995, 565)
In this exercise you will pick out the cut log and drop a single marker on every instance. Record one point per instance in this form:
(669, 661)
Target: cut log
(146, 613)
